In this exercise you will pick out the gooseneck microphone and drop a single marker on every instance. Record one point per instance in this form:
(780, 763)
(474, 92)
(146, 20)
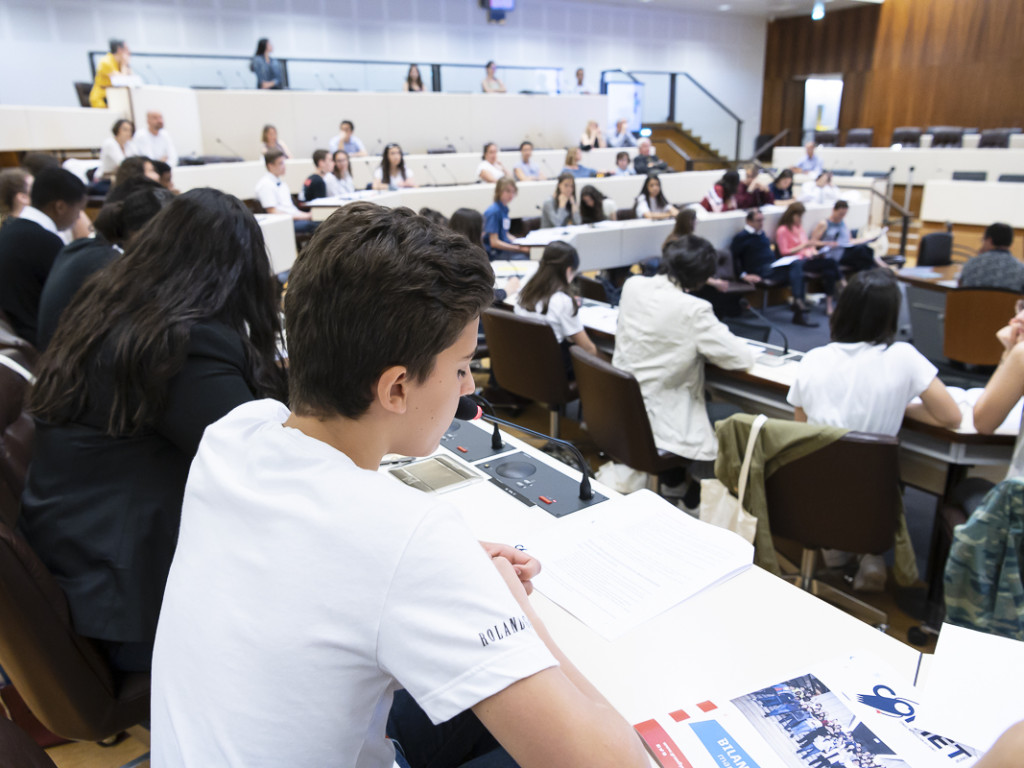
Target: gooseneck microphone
(744, 304)
(470, 410)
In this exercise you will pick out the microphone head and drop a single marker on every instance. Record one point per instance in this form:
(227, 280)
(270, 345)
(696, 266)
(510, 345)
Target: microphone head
(468, 409)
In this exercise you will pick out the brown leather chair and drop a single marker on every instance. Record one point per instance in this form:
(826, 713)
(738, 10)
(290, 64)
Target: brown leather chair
(589, 288)
(973, 315)
(823, 501)
(82, 91)
(616, 417)
(528, 361)
(63, 678)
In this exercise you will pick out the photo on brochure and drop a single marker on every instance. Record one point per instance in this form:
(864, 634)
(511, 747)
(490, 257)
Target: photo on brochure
(809, 726)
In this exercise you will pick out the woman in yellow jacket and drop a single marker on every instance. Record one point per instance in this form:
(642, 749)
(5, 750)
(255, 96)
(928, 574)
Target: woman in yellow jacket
(118, 61)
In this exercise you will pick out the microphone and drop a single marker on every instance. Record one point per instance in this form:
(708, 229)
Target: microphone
(426, 167)
(241, 79)
(225, 145)
(224, 79)
(744, 304)
(469, 410)
(334, 80)
(154, 75)
(455, 179)
(542, 137)
(496, 443)
(319, 81)
(544, 162)
(463, 138)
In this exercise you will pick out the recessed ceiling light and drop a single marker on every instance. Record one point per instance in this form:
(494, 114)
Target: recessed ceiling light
(724, 7)
(818, 12)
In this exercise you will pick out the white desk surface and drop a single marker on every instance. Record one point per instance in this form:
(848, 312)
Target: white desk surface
(279, 235)
(974, 202)
(736, 636)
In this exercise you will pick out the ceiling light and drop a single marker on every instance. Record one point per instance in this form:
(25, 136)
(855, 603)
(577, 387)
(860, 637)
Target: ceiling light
(724, 7)
(818, 12)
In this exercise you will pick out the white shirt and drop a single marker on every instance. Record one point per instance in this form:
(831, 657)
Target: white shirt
(642, 206)
(559, 315)
(337, 187)
(303, 592)
(272, 192)
(156, 147)
(810, 192)
(495, 169)
(34, 214)
(111, 155)
(864, 387)
(378, 175)
(663, 337)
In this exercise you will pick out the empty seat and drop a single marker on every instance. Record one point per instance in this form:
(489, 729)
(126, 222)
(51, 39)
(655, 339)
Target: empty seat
(935, 250)
(860, 137)
(843, 172)
(1015, 177)
(907, 136)
(876, 174)
(826, 138)
(946, 136)
(970, 176)
(995, 138)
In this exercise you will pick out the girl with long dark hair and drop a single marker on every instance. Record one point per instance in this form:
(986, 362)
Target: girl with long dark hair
(267, 71)
(560, 209)
(651, 203)
(155, 347)
(392, 173)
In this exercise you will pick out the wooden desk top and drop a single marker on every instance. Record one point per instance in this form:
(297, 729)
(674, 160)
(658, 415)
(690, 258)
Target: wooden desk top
(940, 282)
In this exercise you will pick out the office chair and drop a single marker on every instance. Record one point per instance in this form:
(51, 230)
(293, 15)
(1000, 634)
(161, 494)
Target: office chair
(946, 136)
(973, 315)
(1011, 177)
(998, 138)
(843, 172)
(826, 138)
(860, 137)
(970, 176)
(17, 431)
(528, 361)
(589, 288)
(935, 250)
(818, 502)
(82, 91)
(906, 136)
(617, 419)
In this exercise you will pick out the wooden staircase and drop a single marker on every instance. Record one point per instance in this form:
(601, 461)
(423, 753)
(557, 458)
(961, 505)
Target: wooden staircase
(704, 156)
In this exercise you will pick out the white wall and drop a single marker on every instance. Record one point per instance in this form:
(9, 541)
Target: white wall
(43, 43)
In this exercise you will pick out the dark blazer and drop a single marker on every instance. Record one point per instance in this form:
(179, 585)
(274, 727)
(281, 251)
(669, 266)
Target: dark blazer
(752, 252)
(75, 264)
(102, 512)
(27, 252)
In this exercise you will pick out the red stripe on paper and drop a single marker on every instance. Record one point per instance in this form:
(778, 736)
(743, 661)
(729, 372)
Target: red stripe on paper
(661, 746)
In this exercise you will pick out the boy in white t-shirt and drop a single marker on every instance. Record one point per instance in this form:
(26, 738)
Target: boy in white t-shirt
(307, 588)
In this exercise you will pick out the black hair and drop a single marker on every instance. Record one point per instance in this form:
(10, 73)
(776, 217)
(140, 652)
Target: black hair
(161, 167)
(868, 309)
(526, 143)
(1000, 234)
(319, 155)
(469, 223)
(385, 165)
(119, 219)
(784, 174)
(261, 46)
(409, 78)
(730, 182)
(119, 122)
(689, 261)
(620, 155)
(589, 214)
(840, 205)
(202, 258)
(54, 184)
(376, 288)
(130, 168)
(272, 157)
(660, 199)
(558, 183)
(116, 45)
(350, 124)
(549, 278)
(488, 144)
(435, 217)
(13, 182)
(686, 220)
(751, 213)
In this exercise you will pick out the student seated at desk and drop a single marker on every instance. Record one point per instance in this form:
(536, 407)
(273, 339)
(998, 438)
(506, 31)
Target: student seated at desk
(344, 599)
(271, 143)
(573, 156)
(272, 193)
(595, 206)
(156, 347)
(668, 361)
(497, 240)
(865, 381)
(791, 240)
(392, 173)
(547, 296)
(315, 185)
(722, 195)
(1005, 388)
(561, 209)
(651, 203)
(525, 170)
(490, 168)
(994, 266)
(339, 181)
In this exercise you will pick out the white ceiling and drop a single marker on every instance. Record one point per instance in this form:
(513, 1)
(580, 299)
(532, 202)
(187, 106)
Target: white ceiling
(763, 8)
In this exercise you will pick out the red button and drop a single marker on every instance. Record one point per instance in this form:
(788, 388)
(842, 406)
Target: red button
(546, 500)
(460, 448)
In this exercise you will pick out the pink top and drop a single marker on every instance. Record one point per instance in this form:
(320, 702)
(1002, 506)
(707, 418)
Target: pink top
(789, 238)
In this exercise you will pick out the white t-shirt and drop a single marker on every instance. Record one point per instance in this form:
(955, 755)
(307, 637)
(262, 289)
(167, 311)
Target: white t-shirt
(156, 147)
(337, 187)
(304, 591)
(378, 175)
(864, 387)
(272, 192)
(642, 206)
(111, 155)
(559, 315)
(497, 170)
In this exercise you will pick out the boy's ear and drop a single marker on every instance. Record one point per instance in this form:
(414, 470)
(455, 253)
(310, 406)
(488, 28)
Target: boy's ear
(392, 389)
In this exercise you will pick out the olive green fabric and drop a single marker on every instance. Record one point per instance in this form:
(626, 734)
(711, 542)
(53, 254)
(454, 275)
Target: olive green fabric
(780, 443)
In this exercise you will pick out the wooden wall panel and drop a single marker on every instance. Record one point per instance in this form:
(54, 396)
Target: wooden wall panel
(906, 62)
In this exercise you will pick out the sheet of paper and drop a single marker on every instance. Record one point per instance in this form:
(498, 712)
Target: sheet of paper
(975, 686)
(631, 559)
(924, 273)
(785, 261)
(601, 318)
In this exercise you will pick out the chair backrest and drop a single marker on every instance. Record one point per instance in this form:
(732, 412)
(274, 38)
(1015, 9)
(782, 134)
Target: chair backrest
(935, 250)
(525, 357)
(590, 288)
(998, 138)
(973, 315)
(946, 135)
(843, 172)
(822, 499)
(1014, 177)
(826, 138)
(876, 174)
(907, 136)
(17, 432)
(82, 91)
(615, 414)
(970, 175)
(860, 137)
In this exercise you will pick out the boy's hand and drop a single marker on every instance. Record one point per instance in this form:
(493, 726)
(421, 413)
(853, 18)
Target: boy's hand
(524, 565)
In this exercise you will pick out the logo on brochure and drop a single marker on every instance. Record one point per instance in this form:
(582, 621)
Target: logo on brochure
(886, 702)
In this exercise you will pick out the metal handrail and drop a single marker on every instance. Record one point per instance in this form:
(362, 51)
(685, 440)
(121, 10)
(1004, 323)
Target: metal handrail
(686, 158)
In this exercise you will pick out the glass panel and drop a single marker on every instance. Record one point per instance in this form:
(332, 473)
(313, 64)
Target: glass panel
(704, 118)
(456, 78)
